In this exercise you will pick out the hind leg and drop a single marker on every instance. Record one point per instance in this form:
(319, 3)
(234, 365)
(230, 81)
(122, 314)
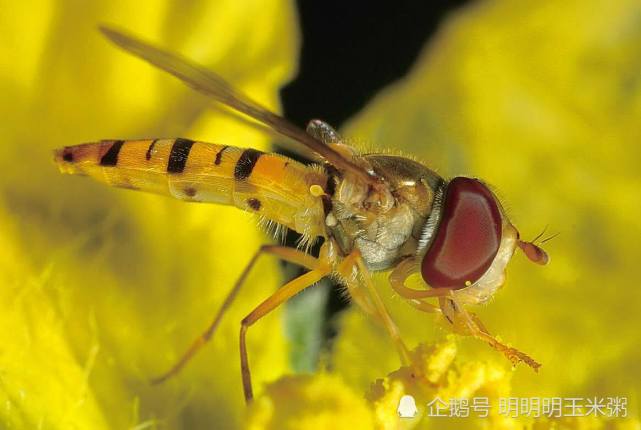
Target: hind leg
(285, 253)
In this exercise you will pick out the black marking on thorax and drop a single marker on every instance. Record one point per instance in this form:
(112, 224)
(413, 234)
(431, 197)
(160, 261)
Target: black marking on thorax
(219, 156)
(178, 155)
(111, 156)
(150, 149)
(327, 204)
(246, 163)
(330, 189)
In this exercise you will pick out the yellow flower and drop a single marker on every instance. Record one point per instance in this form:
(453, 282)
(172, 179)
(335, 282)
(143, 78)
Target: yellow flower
(103, 289)
(311, 402)
(434, 381)
(444, 391)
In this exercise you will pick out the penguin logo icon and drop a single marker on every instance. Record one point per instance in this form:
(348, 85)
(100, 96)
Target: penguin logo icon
(407, 407)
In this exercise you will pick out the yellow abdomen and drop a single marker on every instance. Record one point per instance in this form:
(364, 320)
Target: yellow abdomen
(270, 185)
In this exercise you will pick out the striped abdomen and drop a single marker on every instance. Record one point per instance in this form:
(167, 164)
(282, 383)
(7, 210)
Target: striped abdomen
(271, 185)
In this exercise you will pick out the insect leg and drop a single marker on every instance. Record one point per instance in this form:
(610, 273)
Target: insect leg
(283, 294)
(397, 280)
(425, 307)
(288, 254)
(462, 321)
(356, 292)
(469, 324)
(354, 260)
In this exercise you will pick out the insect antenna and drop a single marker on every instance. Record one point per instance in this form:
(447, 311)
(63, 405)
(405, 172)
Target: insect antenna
(533, 251)
(549, 238)
(540, 234)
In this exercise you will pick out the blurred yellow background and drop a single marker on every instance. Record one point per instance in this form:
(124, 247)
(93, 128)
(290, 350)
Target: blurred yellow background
(102, 289)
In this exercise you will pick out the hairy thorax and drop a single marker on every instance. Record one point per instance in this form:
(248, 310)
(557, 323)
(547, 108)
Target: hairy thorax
(388, 223)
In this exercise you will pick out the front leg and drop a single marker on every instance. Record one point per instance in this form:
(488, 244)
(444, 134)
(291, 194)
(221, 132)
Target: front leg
(468, 324)
(461, 321)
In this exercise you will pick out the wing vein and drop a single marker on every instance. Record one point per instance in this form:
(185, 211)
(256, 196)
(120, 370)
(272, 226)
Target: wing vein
(214, 86)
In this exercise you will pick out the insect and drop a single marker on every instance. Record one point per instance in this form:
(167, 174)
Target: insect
(374, 212)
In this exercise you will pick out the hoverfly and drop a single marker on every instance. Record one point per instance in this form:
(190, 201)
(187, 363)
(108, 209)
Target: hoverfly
(374, 212)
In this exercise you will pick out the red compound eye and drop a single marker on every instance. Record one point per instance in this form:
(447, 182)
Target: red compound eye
(467, 238)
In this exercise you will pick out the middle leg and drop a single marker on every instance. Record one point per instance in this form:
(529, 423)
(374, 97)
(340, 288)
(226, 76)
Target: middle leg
(373, 303)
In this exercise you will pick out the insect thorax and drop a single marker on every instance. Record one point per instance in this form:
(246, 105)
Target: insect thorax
(394, 222)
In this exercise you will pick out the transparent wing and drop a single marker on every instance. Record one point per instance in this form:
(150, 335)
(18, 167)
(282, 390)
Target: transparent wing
(212, 85)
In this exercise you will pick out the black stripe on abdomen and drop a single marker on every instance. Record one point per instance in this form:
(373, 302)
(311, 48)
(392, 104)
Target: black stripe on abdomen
(178, 155)
(246, 163)
(150, 149)
(111, 156)
(219, 156)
